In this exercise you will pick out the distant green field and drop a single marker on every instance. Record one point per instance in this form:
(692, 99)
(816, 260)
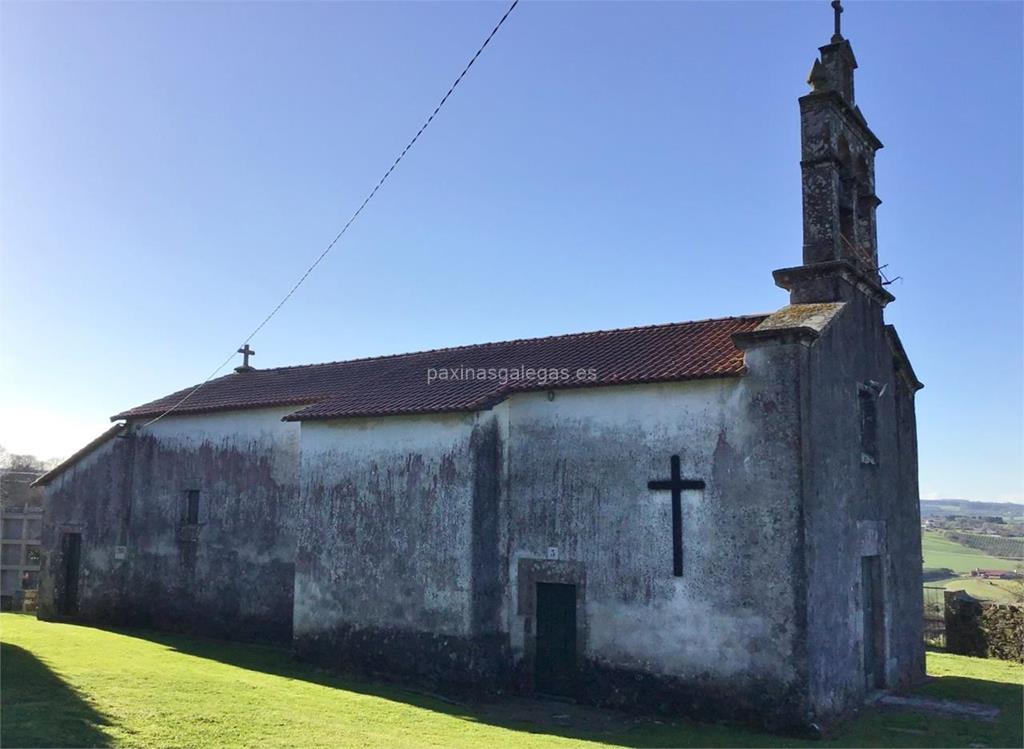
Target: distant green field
(988, 590)
(1004, 547)
(939, 551)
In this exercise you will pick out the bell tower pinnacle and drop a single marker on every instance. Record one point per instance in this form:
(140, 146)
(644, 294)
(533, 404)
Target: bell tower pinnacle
(837, 164)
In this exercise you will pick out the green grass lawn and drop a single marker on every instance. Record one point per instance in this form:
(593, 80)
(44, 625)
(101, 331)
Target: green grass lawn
(64, 685)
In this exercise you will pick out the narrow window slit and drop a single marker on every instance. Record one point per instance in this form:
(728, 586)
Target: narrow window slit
(192, 507)
(868, 402)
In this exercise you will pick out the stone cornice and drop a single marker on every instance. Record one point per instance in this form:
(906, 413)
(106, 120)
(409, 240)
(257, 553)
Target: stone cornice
(802, 275)
(794, 323)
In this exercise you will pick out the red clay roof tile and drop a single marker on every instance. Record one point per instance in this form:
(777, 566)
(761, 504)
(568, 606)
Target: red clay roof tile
(402, 384)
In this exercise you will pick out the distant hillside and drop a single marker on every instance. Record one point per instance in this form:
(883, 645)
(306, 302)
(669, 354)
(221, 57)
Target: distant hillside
(1007, 510)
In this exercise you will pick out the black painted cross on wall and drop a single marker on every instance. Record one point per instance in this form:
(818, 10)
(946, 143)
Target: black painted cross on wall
(676, 485)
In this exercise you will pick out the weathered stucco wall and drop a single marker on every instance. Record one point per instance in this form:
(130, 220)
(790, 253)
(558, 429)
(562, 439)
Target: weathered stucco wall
(423, 537)
(723, 639)
(855, 509)
(231, 574)
(398, 546)
(90, 499)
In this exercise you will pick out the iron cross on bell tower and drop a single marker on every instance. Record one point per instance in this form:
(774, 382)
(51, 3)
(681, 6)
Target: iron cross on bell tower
(246, 352)
(837, 9)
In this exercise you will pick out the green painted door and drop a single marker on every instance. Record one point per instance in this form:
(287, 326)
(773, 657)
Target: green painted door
(555, 664)
(874, 622)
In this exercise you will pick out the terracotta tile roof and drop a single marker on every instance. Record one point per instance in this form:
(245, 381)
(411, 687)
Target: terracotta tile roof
(450, 380)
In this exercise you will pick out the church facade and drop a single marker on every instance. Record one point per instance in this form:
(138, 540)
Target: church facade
(716, 517)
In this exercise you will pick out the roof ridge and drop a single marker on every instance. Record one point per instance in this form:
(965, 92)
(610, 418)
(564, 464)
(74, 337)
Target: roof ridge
(469, 346)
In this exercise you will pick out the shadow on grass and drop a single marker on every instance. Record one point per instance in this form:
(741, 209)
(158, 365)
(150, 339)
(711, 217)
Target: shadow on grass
(525, 715)
(887, 728)
(1008, 728)
(913, 728)
(1004, 695)
(38, 708)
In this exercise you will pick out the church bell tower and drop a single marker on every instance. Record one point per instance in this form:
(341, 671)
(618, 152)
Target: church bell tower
(837, 160)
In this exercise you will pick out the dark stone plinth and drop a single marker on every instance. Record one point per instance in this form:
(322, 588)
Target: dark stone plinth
(475, 667)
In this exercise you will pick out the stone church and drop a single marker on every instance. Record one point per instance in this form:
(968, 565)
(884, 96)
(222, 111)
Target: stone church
(716, 518)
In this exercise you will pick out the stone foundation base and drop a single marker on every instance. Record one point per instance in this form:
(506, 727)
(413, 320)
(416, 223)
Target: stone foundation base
(457, 666)
(483, 669)
(764, 704)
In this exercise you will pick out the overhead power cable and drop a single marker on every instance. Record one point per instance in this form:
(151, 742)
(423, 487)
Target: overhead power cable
(348, 223)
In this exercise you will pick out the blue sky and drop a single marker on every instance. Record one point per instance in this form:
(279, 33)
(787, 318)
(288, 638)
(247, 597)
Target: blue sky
(169, 169)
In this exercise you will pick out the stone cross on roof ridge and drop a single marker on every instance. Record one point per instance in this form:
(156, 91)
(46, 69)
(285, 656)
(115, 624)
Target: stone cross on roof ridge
(246, 352)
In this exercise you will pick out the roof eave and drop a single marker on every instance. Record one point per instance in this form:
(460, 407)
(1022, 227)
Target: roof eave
(199, 410)
(489, 402)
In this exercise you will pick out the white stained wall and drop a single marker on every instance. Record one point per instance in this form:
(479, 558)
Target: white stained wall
(252, 430)
(387, 528)
(578, 471)
(385, 536)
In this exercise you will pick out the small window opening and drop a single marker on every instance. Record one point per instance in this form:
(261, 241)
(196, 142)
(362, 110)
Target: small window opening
(847, 232)
(868, 399)
(192, 507)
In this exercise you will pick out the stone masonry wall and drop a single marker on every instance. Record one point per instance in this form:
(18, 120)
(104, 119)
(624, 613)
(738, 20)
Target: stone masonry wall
(983, 628)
